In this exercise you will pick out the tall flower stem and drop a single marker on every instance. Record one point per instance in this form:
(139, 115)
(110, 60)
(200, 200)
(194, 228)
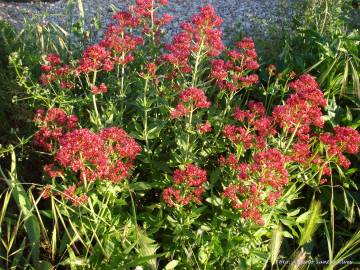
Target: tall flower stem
(187, 149)
(145, 105)
(193, 84)
(122, 82)
(94, 100)
(197, 62)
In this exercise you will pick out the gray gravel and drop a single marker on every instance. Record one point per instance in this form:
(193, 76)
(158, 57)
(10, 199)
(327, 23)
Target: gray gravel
(254, 17)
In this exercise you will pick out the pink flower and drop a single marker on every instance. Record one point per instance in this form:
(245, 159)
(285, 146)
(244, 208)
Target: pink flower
(195, 96)
(246, 43)
(179, 111)
(53, 59)
(345, 140)
(202, 33)
(53, 124)
(204, 128)
(188, 186)
(302, 109)
(99, 90)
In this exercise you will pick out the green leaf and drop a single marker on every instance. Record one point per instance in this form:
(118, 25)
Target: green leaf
(45, 265)
(74, 261)
(147, 248)
(140, 186)
(276, 240)
(344, 79)
(355, 79)
(311, 223)
(171, 265)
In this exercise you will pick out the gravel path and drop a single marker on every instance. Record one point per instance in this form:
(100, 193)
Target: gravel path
(255, 17)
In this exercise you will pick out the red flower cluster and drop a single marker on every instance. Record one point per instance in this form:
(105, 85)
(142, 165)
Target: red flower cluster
(202, 33)
(260, 182)
(99, 89)
(53, 124)
(191, 97)
(301, 109)
(145, 12)
(345, 140)
(301, 153)
(95, 58)
(257, 127)
(233, 75)
(270, 166)
(204, 128)
(121, 43)
(105, 156)
(54, 71)
(188, 186)
(248, 206)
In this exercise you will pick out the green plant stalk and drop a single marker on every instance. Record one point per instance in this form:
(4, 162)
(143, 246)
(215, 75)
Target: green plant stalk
(94, 99)
(133, 210)
(187, 149)
(146, 87)
(102, 212)
(122, 83)
(197, 63)
(332, 217)
(292, 137)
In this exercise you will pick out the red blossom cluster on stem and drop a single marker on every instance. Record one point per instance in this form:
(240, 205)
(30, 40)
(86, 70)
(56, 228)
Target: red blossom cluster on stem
(53, 124)
(107, 155)
(234, 74)
(345, 140)
(187, 186)
(201, 35)
(302, 109)
(115, 49)
(54, 71)
(255, 127)
(259, 183)
(190, 99)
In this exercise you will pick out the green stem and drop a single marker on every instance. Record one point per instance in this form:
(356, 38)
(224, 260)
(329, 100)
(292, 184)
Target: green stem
(146, 113)
(292, 137)
(188, 134)
(133, 209)
(94, 100)
(197, 62)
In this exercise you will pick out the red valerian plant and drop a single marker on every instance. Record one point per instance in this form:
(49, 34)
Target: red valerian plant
(218, 118)
(200, 35)
(345, 140)
(234, 74)
(256, 127)
(188, 186)
(53, 124)
(302, 109)
(258, 183)
(107, 155)
(191, 99)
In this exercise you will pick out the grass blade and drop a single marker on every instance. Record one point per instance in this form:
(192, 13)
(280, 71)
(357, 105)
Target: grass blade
(31, 224)
(276, 240)
(312, 222)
